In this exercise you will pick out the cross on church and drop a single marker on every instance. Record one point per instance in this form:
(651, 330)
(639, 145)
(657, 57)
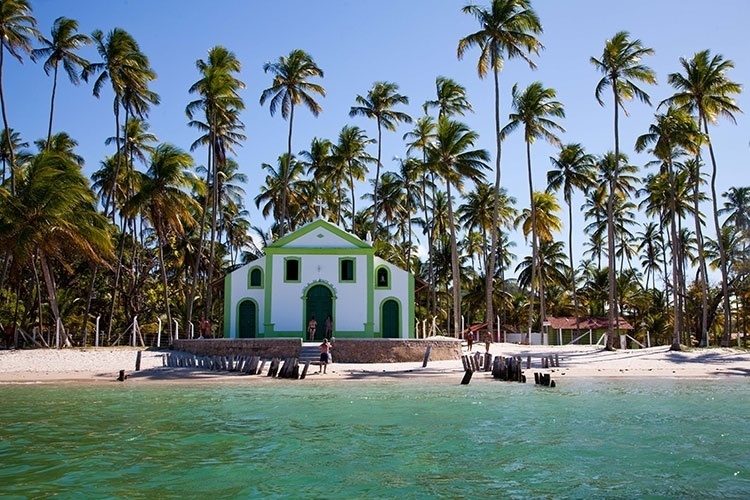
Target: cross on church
(319, 204)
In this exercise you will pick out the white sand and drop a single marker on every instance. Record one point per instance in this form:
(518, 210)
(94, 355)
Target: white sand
(103, 365)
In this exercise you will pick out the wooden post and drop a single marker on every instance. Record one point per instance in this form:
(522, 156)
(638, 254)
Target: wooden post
(122, 376)
(426, 356)
(467, 377)
(138, 361)
(304, 370)
(528, 362)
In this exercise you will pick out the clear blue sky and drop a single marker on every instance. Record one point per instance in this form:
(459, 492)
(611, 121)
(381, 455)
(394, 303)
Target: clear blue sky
(408, 42)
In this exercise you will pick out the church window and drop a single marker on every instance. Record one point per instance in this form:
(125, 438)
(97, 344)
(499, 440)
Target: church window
(346, 270)
(256, 278)
(292, 269)
(382, 278)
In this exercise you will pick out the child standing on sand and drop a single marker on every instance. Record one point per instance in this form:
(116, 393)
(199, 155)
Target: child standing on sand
(325, 355)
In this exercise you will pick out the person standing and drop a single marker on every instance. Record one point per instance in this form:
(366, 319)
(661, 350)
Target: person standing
(312, 326)
(325, 355)
(204, 325)
(470, 340)
(329, 327)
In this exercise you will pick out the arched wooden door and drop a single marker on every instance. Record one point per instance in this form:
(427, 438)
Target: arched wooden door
(319, 303)
(248, 320)
(391, 319)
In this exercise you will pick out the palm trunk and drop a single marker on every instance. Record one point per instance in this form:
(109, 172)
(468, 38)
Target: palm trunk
(214, 215)
(52, 108)
(455, 271)
(720, 240)
(611, 274)
(572, 269)
(11, 153)
(49, 282)
(284, 198)
(701, 256)
(490, 269)
(534, 247)
(110, 200)
(201, 232)
(351, 188)
(375, 188)
(677, 311)
(165, 283)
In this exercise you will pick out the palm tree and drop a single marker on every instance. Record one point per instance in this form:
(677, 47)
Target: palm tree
(17, 26)
(61, 48)
(534, 109)
(507, 30)
(451, 98)
(453, 159)
(350, 157)
(737, 209)
(407, 177)
(7, 148)
(420, 137)
(53, 219)
(129, 72)
(280, 179)
(540, 220)
(650, 248)
(705, 89)
(573, 168)
(672, 134)
(379, 104)
(290, 87)
(165, 203)
(621, 66)
(219, 100)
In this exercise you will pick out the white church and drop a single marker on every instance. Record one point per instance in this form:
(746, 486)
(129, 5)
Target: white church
(317, 271)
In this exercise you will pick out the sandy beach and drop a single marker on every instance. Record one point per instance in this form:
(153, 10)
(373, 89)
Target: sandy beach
(102, 365)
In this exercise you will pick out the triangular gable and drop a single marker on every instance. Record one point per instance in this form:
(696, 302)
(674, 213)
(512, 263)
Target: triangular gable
(319, 234)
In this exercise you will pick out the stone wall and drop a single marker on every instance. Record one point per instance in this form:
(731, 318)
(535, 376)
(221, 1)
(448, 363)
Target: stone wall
(344, 350)
(265, 348)
(394, 350)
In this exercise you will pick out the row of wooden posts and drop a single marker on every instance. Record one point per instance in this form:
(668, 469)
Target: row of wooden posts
(507, 368)
(249, 365)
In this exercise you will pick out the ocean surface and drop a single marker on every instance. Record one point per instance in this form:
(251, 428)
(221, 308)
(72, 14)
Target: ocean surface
(414, 439)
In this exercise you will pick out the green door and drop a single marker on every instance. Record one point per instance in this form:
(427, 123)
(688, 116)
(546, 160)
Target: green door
(390, 320)
(247, 320)
(320, 305)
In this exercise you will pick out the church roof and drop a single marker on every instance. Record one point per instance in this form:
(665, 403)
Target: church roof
(319, 234)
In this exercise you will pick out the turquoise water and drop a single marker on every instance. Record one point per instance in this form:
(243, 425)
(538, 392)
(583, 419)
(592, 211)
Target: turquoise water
(298, 439)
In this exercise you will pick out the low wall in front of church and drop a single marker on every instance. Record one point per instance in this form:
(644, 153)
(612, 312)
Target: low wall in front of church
(394, 350)
(265, 348)
(343, 350)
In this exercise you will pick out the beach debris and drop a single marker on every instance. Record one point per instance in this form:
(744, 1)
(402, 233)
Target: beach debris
(543, 379)
(508, 369)
(426, 356)
(288, 367)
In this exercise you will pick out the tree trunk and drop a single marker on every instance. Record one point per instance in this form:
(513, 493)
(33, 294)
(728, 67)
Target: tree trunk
(52, 108)
(11, 153)
(490, 268)
(455, 270)
(375, 188)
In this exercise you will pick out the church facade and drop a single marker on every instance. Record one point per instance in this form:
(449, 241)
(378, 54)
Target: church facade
(318, 271)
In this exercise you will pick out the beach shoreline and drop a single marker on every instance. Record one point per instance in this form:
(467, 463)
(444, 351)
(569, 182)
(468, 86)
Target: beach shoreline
(103, 364)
